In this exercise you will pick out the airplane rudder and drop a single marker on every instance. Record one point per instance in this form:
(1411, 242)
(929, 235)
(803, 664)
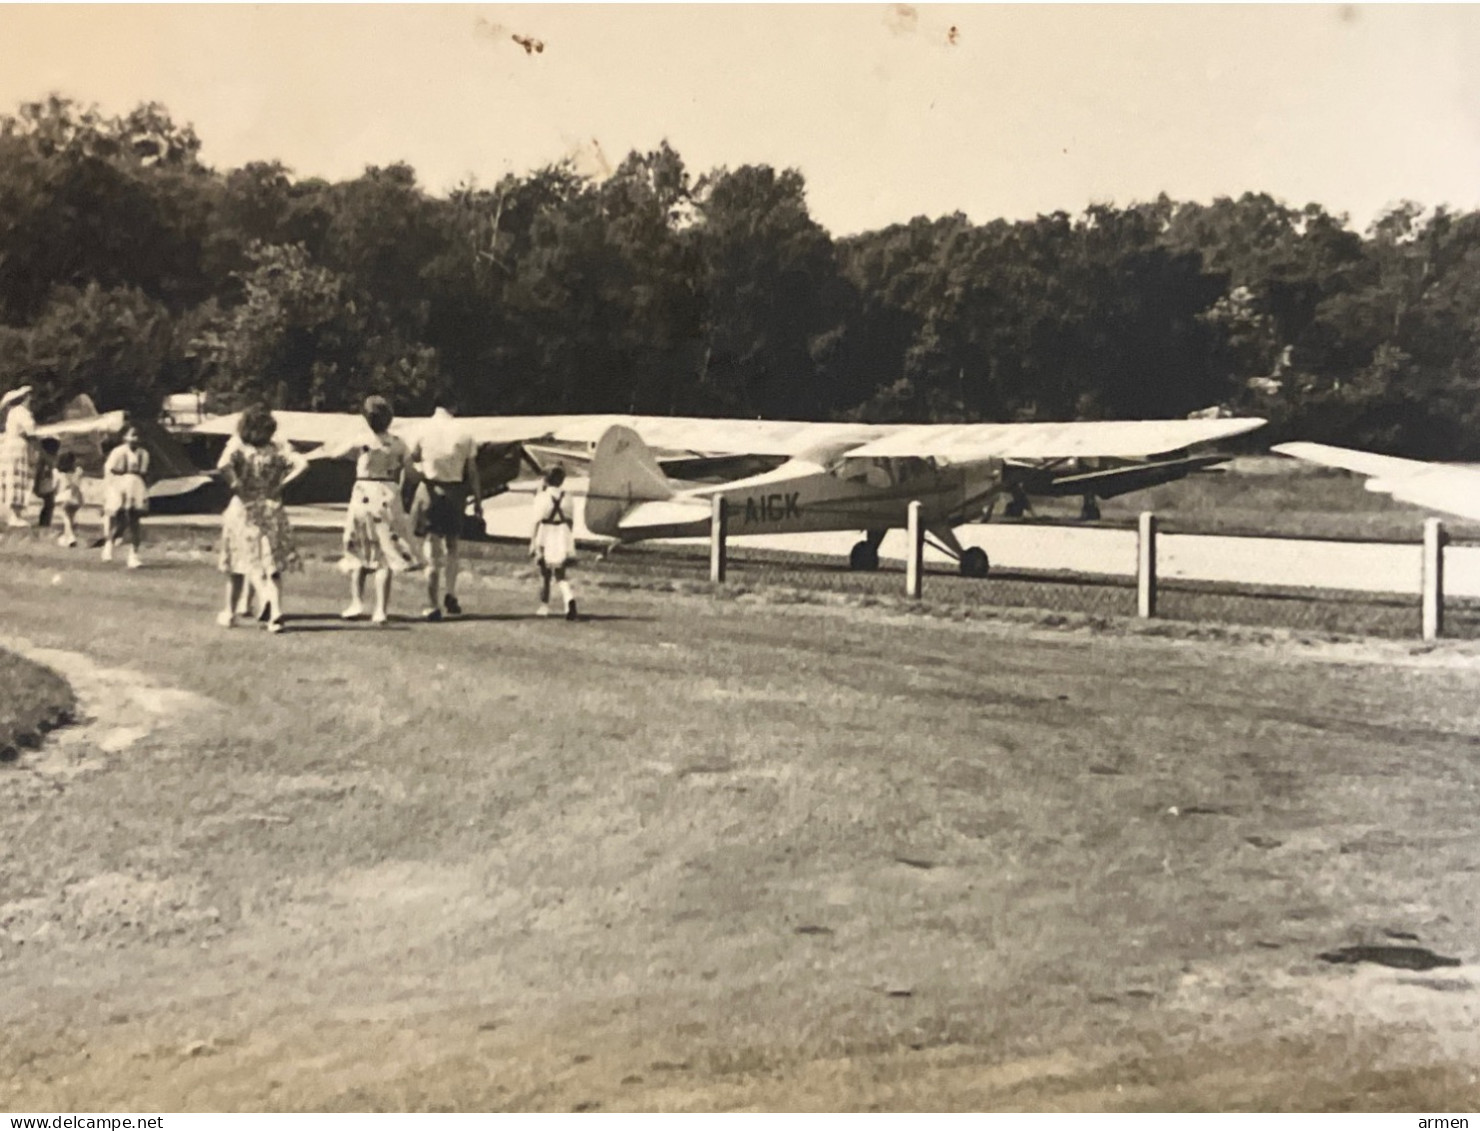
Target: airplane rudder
(623, 472)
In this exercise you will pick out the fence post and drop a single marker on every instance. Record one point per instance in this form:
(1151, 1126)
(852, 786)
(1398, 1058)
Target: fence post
(719, 523)
(1433, 578)
(1146, 565)
(914, 560)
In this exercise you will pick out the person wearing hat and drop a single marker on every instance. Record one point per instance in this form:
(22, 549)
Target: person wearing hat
(17, 454)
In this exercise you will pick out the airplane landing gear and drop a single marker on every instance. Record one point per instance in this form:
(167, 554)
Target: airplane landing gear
(974, 562)
(1018, 504)
(1089, 509)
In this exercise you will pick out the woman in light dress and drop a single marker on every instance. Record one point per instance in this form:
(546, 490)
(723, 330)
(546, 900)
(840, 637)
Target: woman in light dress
(17, 454)
(256, 541)
(378, 537)
(553, 542)
(125, 495)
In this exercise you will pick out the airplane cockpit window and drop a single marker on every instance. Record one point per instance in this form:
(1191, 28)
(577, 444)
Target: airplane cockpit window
(879, 473)
(832, 456)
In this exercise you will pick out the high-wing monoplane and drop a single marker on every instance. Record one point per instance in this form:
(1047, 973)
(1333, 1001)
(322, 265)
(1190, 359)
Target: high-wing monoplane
(176, 485)
(1437, 486)
(868, 471)
(864, 478)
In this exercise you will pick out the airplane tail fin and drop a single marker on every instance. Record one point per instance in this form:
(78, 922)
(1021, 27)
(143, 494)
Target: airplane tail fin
(80, 407)
(623, 472)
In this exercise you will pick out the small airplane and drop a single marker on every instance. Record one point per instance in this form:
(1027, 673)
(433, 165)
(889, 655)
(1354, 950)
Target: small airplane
(848, 476)
(864, 479)
(1437, 486)
(176, 484)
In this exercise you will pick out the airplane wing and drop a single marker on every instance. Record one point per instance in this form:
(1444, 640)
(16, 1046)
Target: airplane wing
(108, 424)
(717, 436)
(1109, 483)
(676, 434)
(333, 429)
(304, 429)
(1454, 490)
(704, 436)
(1117, 439)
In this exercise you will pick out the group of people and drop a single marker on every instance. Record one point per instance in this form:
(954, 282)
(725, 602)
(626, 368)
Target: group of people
(36, 467)
(381, 537)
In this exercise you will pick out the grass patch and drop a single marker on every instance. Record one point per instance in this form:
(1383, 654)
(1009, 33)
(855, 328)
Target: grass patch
(35, 700)
(706, 853)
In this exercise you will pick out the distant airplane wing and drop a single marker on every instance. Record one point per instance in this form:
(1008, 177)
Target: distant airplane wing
(1109, 483)
(303, 429)
(108, 424)
(1437, 486)
(1114, 439)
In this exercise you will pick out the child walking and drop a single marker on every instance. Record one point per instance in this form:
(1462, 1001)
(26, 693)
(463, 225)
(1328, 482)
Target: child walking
(45, 485)
(69, 496)
(553, 542)
(125, 496)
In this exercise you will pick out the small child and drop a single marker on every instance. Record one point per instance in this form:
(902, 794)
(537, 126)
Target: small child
(44, 486)
(125, 495)
(69, 495)
(553, 542)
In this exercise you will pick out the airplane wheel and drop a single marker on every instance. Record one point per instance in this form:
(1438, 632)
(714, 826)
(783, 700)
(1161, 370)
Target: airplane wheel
(974, 562)
(863, 558)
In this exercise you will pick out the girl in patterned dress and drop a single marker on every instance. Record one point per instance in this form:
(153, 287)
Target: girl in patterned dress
(256, 540)
(17, 454)
(377, 533)
(125, 495)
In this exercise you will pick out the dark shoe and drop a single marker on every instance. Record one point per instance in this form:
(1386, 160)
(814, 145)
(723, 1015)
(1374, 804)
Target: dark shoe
(570, 611)
(449, 603)
(432, 615)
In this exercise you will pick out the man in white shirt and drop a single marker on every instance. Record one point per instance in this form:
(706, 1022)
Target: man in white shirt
(447, 458)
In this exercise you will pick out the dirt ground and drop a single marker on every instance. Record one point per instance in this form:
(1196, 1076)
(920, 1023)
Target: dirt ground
(692, 854)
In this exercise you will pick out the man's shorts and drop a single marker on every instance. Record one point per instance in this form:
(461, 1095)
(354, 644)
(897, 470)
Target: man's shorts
(438, 509)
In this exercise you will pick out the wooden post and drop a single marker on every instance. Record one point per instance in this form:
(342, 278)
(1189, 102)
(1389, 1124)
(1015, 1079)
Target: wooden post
(1146, 565)
(719, 521)
(1433, 578)
(914, 560)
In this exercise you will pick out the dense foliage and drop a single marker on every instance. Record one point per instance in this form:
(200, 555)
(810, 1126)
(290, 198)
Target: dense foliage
(129, 270)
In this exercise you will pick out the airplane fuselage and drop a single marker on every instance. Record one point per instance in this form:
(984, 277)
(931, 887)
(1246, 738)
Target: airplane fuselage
(804, 498)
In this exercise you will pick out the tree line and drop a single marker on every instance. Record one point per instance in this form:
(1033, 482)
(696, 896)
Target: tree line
(130, 270)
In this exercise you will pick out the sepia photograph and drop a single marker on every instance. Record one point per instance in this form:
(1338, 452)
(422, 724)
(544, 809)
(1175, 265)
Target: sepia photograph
(732, 557)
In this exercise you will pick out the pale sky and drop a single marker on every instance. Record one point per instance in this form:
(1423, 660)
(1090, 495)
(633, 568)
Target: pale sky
(1025, 109)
